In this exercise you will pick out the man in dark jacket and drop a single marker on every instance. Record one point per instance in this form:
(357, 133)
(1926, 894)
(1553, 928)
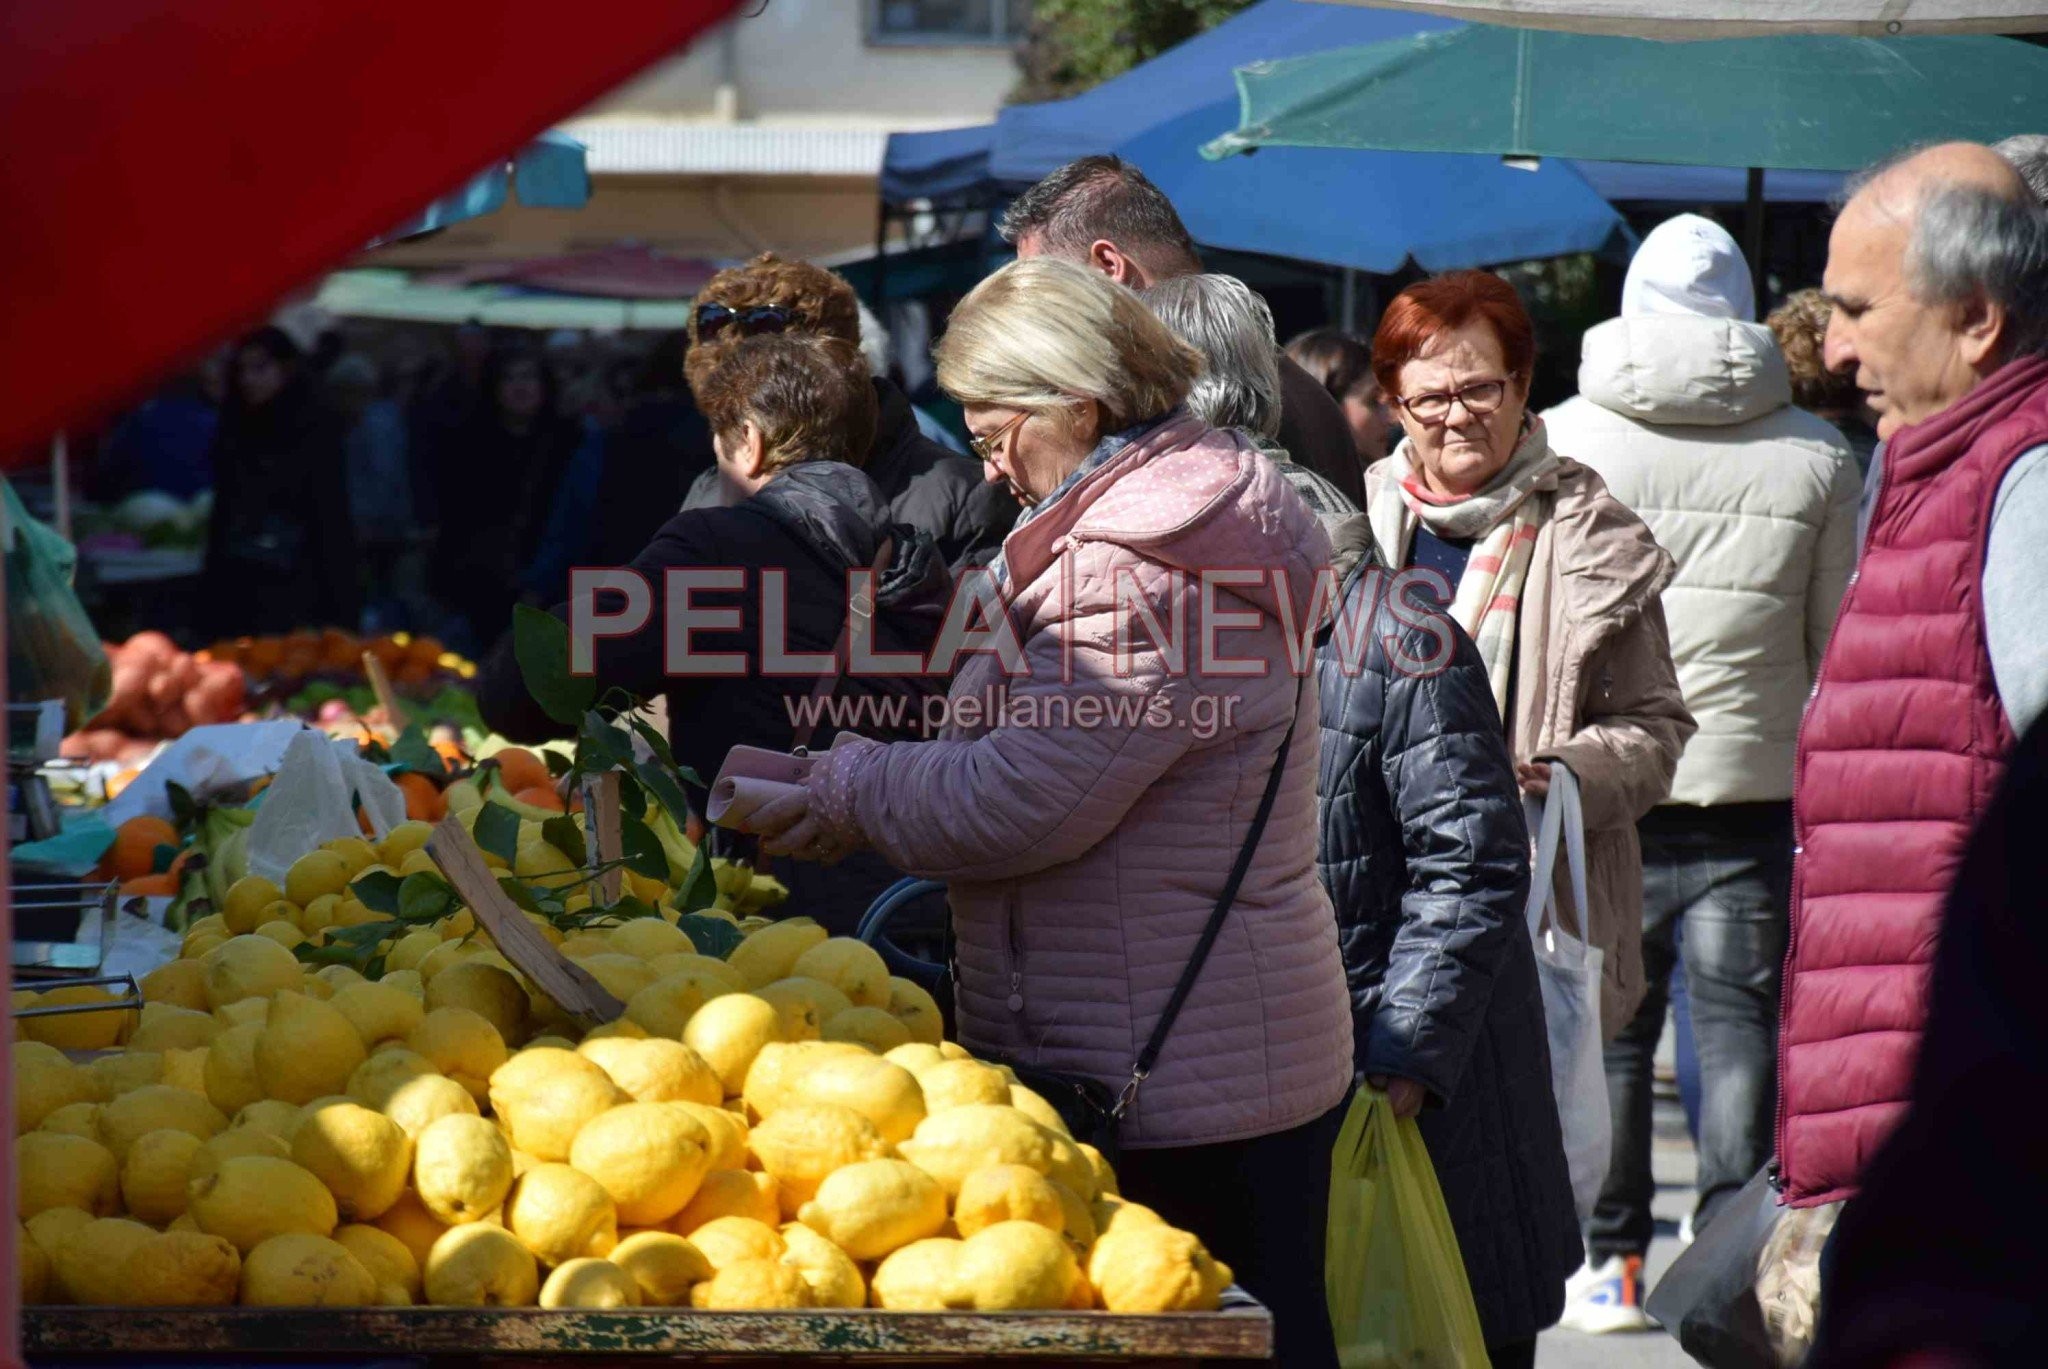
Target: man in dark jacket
(792, 418)
(1103, 213)
(933, 489)
(1426, 857)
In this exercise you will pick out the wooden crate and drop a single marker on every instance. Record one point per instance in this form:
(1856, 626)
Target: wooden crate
(1241, 1334)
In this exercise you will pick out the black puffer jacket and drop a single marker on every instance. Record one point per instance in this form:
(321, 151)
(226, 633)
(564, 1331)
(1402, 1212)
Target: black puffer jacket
(1426, 857)
(815, 522)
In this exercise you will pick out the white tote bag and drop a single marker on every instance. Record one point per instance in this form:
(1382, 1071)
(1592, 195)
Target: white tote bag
(1569, 971)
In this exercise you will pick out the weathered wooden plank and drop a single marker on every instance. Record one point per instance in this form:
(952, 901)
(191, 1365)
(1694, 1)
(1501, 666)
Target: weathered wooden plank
(1238, 1334)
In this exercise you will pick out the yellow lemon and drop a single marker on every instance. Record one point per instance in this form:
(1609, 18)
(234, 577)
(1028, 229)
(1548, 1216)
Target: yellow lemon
(390, 1262)
(730, 1193)
(921, 1277)
(230, 1073)
(75, 1119)
(53, 1170)
(780, 1066)
(648, 937)
(250, 1198)
(144, 1110)
(1017, 1266)
(380, 1075)
(666, 1006)
(49, 1229)
(951, 1145)
(853, 967)
(875, 1207)
(663, 1267)
(84, 1031)
(958, 1083)
(164, 1027)
(320, 915)
(560, 1213)
(314, 874)
(729, 1240)
(1034, 1106)
(179, 983)
(355, 853)
(1114, 1214)
(154, 1175)
(378, 1012)
(493, 993)
(1147, 1268)
(587, 942)
(410, 1224)
(870, 1027)
(409, 950)
(804, 1002)
(545, 1096)
(917, 1010)
(462, 1045)
(655, 1070)
(648, 1156)
(186, 1069)
(728, 1134)
(752, 1285)
(299, 1269)
(271, 1115)
(402, 840)
(590, 1283)
(680, 962)
(462, 1168)
(362, 1156)
(33, 1266)
(729, 1031)
(887, 1095)
(244, 908)
(248, 966)
(1008, 1193)
(280, 928)
(44, 1081)
(622, 975)
(802, 1143)
(88, 1259)
(226, 1146)
(480, 1265)
(125, 1072)
(247, 1012)
(625, 1027)
(307, 1049)
(767, 955)
(181, 1269)
(834, 1278)
(419, 1103)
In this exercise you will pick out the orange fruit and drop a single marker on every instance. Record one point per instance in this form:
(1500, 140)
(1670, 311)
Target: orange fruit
(133, 853)
(412, 673)
(338, 651)
(452, 754)
(520, 769)
(540, 796)
(425, 651)
(388, 651)
(261, 656)
(422, 800)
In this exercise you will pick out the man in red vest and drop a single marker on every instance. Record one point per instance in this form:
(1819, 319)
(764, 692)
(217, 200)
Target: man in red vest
(1938, 271)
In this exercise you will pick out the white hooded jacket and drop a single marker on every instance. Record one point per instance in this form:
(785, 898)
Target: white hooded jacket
(1684, 408)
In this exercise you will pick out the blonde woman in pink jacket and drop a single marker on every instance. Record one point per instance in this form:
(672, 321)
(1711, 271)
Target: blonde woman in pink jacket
(1093, 788)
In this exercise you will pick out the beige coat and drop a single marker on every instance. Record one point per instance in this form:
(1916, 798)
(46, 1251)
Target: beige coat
(1601, 696)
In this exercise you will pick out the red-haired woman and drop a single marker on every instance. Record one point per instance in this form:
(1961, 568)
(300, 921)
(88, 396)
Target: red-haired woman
(1555, 580)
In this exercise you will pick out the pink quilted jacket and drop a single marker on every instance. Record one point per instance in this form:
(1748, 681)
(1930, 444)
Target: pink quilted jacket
(1084, 853)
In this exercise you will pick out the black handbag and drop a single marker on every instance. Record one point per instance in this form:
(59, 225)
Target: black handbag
(1092, 1112)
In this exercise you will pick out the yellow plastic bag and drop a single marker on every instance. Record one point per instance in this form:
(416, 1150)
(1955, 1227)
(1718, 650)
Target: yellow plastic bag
(1395, 1281)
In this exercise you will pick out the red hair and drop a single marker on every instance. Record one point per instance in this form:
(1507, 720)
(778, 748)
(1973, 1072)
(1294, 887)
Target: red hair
(1425, 311)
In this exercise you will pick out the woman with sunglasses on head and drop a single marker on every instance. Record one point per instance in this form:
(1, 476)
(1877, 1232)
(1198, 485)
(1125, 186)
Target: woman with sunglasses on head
(1559, 585)
(927, 485)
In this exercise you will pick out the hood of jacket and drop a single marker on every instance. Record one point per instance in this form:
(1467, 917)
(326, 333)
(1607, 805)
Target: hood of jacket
(1192, 498)
(1670, 369)
(836, 511)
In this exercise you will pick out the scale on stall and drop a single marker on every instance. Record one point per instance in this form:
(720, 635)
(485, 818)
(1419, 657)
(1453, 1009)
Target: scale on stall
(34, 733)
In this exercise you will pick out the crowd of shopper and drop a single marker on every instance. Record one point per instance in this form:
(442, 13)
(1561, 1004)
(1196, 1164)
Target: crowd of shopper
(1223, 898)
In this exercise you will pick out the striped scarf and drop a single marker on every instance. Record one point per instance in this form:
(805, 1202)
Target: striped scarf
(1502, 518)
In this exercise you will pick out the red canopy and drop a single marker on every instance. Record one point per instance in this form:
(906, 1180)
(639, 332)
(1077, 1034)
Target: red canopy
(174, 166)
(631, 272)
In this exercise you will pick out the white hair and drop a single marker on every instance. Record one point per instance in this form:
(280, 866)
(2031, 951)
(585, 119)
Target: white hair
(2028, 153)
(1049, 336)
(1225, 320)
(1968, 242)
(874, 339)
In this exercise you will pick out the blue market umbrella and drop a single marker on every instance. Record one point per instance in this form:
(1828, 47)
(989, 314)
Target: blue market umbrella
(548, 173)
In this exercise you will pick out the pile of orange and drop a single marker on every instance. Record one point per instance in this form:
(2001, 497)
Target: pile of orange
(526, 778)
(408, 659)
(132, 857)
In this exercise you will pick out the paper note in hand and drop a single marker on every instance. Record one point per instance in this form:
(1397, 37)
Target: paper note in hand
(751, 778)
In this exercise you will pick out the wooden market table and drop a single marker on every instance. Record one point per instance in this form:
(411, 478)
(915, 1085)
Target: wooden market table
(1241, 1333)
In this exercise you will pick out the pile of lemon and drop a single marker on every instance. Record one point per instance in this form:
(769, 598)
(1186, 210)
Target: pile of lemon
(783, 1128)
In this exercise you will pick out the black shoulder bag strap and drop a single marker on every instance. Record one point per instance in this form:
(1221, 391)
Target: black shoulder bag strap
(1149, 1056)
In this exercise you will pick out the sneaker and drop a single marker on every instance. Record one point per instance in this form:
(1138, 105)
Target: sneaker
(1606, 1298)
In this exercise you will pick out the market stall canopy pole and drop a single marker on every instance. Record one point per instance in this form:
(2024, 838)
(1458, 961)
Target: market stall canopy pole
(1799, 101)
(1738, 18)
(181, 164)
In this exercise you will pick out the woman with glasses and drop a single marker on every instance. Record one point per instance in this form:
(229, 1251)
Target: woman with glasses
(1088, 822)
(1559, 585)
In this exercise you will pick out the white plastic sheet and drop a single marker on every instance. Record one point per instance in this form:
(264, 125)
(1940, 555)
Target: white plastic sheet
(1741, 18)
(202, 761)
(313, 800)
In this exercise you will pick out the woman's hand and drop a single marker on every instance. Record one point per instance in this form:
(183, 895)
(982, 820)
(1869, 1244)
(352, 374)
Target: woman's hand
(1405, 1096)
(788, 827)
(1534, 777)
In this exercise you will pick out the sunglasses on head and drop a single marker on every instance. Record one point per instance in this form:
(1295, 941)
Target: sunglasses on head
(714, 319)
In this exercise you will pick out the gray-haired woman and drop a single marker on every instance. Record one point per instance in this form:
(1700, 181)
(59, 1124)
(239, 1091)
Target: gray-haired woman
(1225, 320)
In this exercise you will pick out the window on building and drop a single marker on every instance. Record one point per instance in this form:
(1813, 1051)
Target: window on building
(948, 21)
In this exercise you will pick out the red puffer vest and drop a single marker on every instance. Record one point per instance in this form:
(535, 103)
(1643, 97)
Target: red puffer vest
(1900, 750)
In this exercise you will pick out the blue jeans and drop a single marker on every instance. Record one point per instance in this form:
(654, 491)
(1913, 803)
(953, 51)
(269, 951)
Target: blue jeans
(1716, 881)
